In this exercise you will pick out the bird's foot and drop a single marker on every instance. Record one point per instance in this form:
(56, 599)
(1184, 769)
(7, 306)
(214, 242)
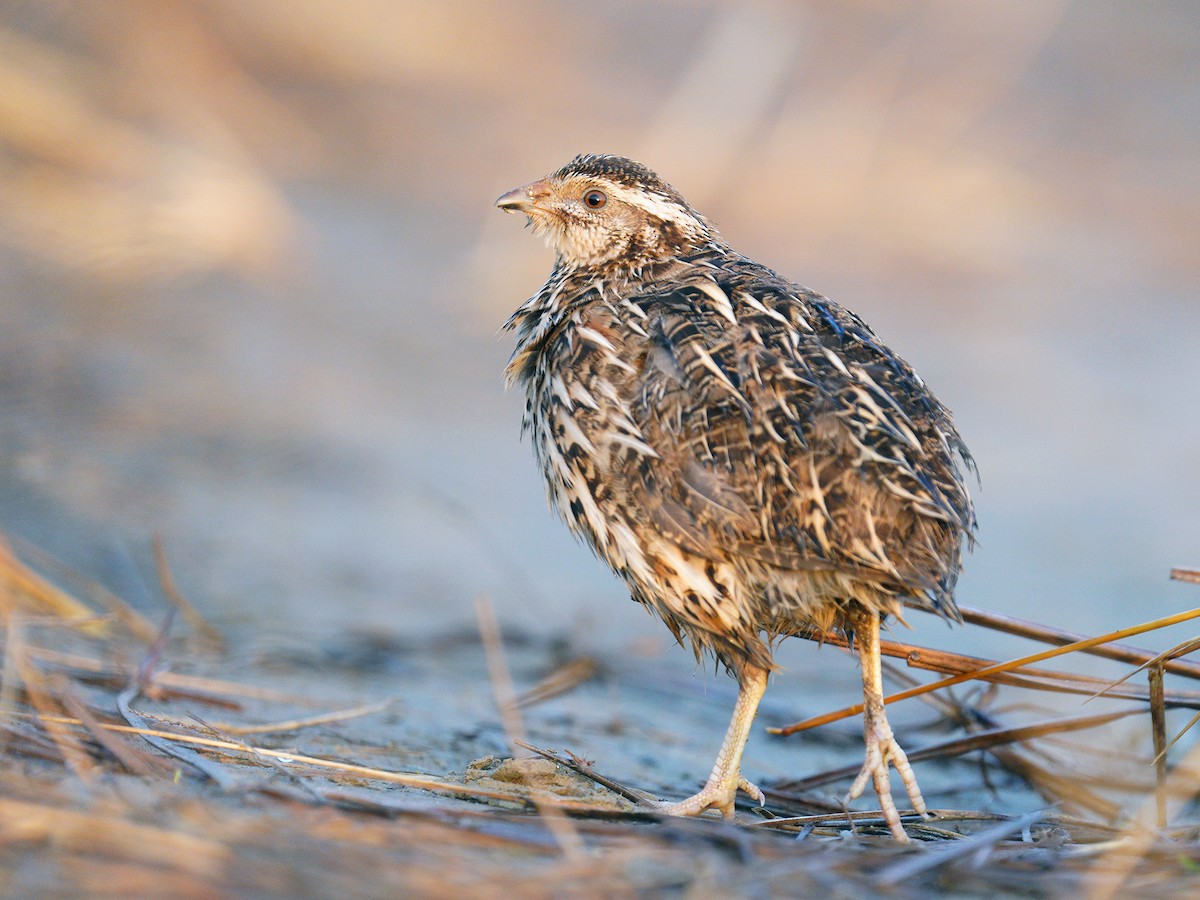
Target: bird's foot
(882, 751)
(719, 794)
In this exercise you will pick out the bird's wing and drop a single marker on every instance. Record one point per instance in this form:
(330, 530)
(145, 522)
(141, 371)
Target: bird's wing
(789, 434)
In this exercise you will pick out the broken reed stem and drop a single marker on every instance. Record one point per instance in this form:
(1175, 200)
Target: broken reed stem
(1158, 730)
(947, 663)
(977, 674)
(557, 824)
(1049, 635)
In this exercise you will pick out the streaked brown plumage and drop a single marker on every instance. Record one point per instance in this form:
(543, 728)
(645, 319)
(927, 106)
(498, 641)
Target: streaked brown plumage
(744, 453)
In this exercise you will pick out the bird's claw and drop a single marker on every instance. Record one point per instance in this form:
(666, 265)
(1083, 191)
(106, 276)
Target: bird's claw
(719, 795)
(753, 790)
(882, 751)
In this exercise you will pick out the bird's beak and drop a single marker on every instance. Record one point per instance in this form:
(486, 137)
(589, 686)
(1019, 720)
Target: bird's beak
(523, 199)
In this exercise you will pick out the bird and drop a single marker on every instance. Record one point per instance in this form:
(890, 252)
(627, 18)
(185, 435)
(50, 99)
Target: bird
(747, 456)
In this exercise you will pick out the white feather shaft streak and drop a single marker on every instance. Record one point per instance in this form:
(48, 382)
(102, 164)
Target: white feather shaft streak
(719, 298)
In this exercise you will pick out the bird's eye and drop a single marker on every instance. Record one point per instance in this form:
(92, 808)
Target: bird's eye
(594, 199)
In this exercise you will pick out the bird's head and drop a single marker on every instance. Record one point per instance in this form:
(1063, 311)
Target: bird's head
(600, 211)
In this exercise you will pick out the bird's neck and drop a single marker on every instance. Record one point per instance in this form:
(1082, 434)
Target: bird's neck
(634, 273)
(571, 287)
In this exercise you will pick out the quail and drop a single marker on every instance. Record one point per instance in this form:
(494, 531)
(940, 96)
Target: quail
(744, 453)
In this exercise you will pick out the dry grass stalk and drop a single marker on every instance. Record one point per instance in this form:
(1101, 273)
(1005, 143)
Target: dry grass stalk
(41, 697)
(1048, 635)
(24, 588)
(506, 699)
(215, 689)
(108, 835)
(1164, 660)
(948, 662)
(1190, 575)
(1184, 730)
(171, 591)
(1114, 867)
(1158, 732)
(983, 740)
(341, 715)
(562, 680)
(998, 668)
(407, 779)
(138, 685)
(137, 624)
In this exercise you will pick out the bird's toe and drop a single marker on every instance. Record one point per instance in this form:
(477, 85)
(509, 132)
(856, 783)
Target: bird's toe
(883, 752)
(752, 789)
(719, 795)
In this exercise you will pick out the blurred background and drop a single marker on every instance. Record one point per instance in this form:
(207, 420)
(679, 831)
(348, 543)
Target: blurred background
(251, 280)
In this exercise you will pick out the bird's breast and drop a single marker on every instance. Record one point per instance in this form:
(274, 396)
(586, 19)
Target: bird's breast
(579, 416)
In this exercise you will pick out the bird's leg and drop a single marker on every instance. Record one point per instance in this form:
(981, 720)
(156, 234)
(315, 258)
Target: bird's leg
(722, 785)
(882, 748)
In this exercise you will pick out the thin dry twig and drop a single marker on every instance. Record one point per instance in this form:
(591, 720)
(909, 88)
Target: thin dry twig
(215, 688)
(171, 591)
(1164, 659)
(948, 662)
(563, 679)
(568, 838)
(982, 740)
(22, 583)
(309, 789)
(340, 715)
(41, 698)
(1191, 723)
(1049, 635)
(982, 842)
(59, 601)
(991, 670)
(407, 779)
(137, 685)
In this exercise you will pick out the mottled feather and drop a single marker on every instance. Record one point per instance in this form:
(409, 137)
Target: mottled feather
(747, 455)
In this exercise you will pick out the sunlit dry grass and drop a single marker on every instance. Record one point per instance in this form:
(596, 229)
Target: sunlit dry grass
(62, 716)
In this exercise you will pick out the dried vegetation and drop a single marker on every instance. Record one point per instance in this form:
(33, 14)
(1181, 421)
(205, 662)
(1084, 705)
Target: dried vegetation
(123, 776)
